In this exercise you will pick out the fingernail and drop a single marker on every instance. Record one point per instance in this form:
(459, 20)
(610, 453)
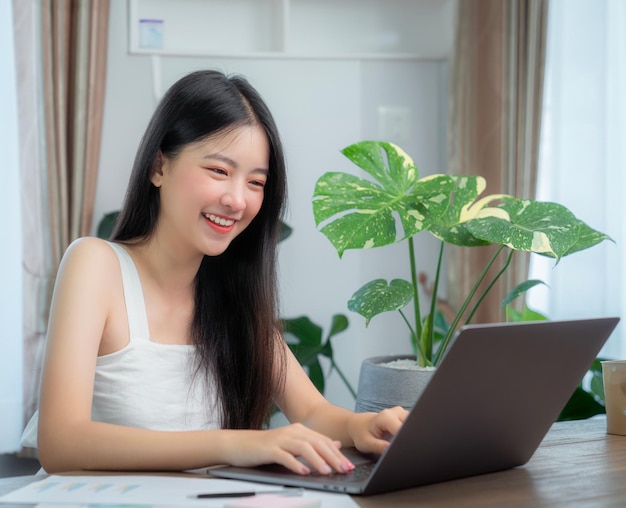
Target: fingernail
(326, 470)
(305, 470)
(347, 466)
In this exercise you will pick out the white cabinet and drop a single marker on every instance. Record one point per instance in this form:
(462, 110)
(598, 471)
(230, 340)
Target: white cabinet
(293, 28)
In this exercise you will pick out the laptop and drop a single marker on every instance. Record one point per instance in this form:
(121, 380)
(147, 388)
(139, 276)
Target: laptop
(487, 407)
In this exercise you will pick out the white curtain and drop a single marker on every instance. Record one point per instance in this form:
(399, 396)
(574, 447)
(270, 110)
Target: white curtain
(11, 252)
(583, 159)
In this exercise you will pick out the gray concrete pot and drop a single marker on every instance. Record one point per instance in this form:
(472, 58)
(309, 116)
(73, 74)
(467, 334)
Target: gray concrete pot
(382, 386)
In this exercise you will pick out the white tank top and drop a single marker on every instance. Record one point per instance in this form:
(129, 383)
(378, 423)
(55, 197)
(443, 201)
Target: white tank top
(146, 384)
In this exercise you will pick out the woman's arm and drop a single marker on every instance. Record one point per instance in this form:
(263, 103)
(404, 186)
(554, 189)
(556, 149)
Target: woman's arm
(87, 296)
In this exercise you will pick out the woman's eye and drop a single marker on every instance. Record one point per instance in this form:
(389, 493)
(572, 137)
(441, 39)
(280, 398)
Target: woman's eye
(258, 183)
(218, 171)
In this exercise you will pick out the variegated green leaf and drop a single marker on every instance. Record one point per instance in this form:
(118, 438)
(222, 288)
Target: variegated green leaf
(587, 237)
(336, 193)
(533, 226)
(396, 175)
(361, 231)
(450, 227)
(378, 296)
(355, 213)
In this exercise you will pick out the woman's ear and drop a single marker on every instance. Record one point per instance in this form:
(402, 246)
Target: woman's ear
(156, 176)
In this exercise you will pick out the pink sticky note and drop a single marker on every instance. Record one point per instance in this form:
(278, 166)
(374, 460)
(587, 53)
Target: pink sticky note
(272, 501)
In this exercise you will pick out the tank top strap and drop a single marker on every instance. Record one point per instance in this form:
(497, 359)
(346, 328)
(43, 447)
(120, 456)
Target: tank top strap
(133, 295)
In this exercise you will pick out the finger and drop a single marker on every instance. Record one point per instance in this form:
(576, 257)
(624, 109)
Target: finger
(372, 444)
(289, 461)
(313, 457)
(337, 460)
(389, 421)
(324, 456)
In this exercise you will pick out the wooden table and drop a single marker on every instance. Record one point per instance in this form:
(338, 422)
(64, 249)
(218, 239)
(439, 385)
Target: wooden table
(577, 464)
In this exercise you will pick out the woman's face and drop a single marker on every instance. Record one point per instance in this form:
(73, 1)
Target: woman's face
(212, 189)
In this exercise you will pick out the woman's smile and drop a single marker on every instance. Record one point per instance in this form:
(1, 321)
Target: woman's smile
(218, 223)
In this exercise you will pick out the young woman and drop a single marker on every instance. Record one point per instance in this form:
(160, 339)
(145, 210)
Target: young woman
(164, 349)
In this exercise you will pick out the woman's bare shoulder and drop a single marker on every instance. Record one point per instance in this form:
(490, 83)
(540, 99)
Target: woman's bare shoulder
(90, 247)
(90, 256)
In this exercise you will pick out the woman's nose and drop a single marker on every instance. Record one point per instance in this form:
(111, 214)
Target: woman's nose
(234, 198)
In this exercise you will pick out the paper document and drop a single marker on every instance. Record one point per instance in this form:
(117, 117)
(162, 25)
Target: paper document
(146, 490)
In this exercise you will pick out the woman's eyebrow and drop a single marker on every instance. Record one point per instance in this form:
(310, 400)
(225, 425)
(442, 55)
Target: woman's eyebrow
(222, 158)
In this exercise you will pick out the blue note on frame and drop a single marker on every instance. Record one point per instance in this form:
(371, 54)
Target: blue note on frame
(151, 33)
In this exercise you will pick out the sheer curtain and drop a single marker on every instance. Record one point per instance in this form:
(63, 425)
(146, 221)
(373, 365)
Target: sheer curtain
(583, 159)
(61, 50)
(11, 251)
(494, 123)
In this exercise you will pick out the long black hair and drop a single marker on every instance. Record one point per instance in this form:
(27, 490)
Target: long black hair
(235, 321)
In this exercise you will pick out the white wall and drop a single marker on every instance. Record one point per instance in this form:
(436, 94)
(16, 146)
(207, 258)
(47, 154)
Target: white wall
(320, 106)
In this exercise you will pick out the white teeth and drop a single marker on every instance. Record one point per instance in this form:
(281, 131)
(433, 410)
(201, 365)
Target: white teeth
(219, 220)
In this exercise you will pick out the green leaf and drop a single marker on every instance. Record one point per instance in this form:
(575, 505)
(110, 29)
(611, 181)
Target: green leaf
(549, 229)
(106, 225)
(533, 226)
(597, 381)
(339, 324)
(285, 231)
(520, 289)
(355, 213)
(581, 405)
(527, 314)
(304, 329)
(316, 375)
(304, 338)
(398, 174)
(378, 296)
(450, 227)
(587, 237)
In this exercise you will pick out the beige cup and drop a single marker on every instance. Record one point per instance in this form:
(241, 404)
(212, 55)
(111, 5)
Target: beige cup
(614, 376)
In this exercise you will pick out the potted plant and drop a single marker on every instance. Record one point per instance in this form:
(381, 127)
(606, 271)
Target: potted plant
(358, 213)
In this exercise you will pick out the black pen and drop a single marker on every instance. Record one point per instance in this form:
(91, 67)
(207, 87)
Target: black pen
(224, 494)
(248, 493)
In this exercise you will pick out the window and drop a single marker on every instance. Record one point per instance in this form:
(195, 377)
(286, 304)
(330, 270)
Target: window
(583, 159)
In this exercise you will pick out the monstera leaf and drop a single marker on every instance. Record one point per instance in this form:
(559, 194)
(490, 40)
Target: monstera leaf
(462, 207)
(533, 226)
(355, 213)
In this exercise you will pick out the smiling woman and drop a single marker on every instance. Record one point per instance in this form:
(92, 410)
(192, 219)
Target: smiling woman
(10, 254)
(164, 347)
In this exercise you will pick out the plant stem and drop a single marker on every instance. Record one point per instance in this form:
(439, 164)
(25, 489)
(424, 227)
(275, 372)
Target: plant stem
(491, 284)
(416, 298)
(417, 345)
(429, 337)
(343, 378)
(468, 299)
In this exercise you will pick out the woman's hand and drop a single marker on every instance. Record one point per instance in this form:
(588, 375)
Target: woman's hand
(284, 445)
(371, 431)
